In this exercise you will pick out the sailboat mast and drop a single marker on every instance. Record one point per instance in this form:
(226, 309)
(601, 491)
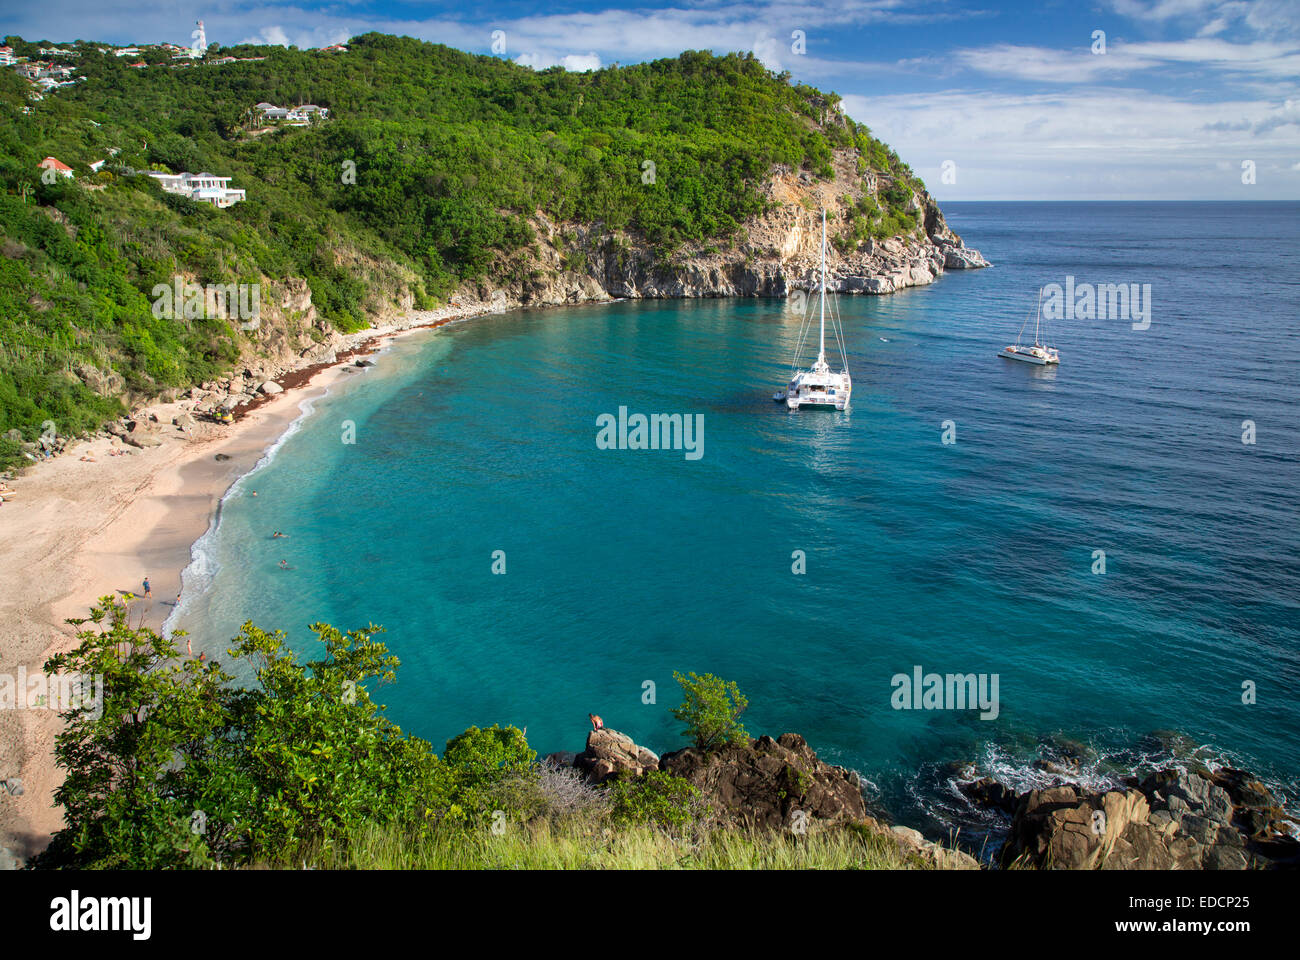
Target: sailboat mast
(821, 356)
(1039, 315)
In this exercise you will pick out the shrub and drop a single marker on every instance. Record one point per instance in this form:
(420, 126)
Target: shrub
(656, 798)
(711, 708)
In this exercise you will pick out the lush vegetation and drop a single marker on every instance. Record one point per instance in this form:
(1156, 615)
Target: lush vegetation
(170, 764)
(425, 178)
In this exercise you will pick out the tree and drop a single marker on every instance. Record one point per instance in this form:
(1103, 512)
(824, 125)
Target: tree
(711, 708)
(128, 797)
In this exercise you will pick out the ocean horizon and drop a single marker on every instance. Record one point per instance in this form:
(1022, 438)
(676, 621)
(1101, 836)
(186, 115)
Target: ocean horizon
(1113, 539)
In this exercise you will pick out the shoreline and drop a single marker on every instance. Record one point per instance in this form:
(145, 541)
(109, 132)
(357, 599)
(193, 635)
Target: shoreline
(78, 529)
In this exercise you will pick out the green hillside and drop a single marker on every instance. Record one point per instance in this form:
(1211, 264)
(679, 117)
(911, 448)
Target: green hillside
(424, 176)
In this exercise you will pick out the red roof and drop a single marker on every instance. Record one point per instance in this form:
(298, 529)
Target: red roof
(51, 163)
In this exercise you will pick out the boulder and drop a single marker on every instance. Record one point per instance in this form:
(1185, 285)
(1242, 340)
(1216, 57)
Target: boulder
(987, 792)
(271, 388)
(610, 753)
(961, 258)
(912, 845)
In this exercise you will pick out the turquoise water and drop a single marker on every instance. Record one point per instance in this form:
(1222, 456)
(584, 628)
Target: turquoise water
(971, 557)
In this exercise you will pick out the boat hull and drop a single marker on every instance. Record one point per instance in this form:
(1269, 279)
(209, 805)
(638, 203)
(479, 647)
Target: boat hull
(799, 403)
(1026, 357)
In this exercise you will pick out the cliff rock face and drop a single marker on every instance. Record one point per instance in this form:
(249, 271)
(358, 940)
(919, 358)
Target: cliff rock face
(778, 253)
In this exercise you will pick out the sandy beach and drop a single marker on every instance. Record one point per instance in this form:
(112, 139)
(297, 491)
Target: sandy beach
(77, 529)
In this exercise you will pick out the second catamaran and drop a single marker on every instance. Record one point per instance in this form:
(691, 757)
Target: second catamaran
(821, 386)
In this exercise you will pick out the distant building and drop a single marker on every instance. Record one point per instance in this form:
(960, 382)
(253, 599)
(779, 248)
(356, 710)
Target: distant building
(303, 114)
(49, 163)
(203, 187)
(335, 48)
(296, 116)
(270, 111)
(127, 52)
(6, 56)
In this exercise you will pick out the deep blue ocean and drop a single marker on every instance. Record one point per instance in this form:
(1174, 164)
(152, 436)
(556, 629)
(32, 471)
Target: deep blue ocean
(970, 557)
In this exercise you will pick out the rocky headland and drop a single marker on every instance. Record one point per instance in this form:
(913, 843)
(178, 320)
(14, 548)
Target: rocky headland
(1171, 819)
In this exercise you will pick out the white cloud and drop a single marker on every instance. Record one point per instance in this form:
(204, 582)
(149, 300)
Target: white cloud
(1085, 144)
(1042, 64)
(578, 63)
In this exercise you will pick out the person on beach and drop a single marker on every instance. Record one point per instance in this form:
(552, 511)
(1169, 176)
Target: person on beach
(189, 644)
(148, 590)
(596, 722)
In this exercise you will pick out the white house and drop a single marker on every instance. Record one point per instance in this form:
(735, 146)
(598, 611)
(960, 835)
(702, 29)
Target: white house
(6, 56)
(297, 116)
(203, 187)
(49, 163)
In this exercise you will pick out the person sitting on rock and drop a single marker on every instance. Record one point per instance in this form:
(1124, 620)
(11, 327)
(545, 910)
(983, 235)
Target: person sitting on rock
(596, 722)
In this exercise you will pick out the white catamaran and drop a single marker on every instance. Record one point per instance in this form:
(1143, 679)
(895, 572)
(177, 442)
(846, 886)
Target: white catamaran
(821, 386)
(1038, 353)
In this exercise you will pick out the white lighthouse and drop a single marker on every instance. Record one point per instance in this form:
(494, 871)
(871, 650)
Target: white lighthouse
(200, 41)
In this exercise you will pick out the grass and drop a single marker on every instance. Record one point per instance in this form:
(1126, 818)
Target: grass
(575, 845)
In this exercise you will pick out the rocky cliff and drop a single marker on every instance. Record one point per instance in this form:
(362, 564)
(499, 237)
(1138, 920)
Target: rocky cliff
(1174, 818)
(777, 253)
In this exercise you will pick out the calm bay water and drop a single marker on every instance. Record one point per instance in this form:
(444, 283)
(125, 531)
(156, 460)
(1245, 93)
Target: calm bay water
(974, 557)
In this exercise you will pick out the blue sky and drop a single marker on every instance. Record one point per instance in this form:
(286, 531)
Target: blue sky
(1009, 93)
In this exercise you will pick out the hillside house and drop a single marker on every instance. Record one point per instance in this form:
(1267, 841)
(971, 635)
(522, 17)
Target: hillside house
(296, 116)
(203, 187)
(270, 111)
(6, 56)
(50, 163)
(300, 116)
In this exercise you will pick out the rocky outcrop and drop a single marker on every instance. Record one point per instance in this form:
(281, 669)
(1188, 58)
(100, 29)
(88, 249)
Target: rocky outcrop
(613, 754)
(765, 783)
(1173, 820)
